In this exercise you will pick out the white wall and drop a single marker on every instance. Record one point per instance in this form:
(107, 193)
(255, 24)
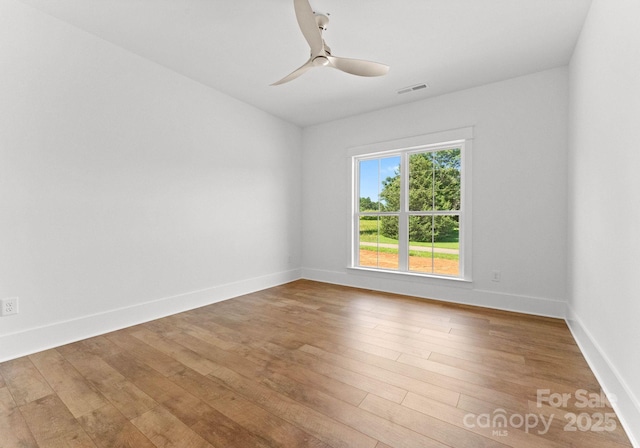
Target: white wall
(128, 192)
(123, 183)
(519, 191)
(604, 200)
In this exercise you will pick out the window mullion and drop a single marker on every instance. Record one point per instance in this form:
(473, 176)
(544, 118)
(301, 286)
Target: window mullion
(433, 209)
(355, 224)
(403, 220)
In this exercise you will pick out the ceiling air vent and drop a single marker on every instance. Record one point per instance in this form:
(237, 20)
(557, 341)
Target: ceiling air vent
(412, 88)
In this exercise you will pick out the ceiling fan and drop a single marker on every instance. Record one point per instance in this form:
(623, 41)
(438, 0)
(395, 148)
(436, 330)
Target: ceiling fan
(312, 24)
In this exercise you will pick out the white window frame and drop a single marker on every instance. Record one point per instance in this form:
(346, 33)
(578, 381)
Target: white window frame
(457, 138)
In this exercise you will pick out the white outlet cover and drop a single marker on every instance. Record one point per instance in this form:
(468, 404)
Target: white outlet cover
(9, 306)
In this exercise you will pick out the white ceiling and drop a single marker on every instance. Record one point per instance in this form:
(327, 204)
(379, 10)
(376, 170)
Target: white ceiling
(241, 46)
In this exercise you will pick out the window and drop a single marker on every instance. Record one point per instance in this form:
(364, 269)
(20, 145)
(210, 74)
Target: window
(408, 210)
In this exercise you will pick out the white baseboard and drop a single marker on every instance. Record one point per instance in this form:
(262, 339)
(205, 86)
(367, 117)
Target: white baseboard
(440, 289)
(626, 405)
(33, 340)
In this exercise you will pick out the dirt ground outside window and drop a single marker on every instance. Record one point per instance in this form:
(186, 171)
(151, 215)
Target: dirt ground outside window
(384, 260)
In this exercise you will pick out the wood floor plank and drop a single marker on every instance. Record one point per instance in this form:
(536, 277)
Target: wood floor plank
(268, 426)
(488, 381)
(176, 351)
(14, 432)
(489, 344)
(52, 425)
(279, 321)
(166, 431)
(256, 363)
(314, 397)
(569, 374)
(398, 380)
(159, 361)
(438, 344)
(408, 322)
(160, 388)
(427, 425)
(110, 429)
(229, 339)
(24, 381)
(101, 346)
(363, 382)
(315, 423)
(507, 370)
(120, 392)
(207, 422)
(308, 365)
(364, 422)
(419, 345)
(74, 391)
(423, 382)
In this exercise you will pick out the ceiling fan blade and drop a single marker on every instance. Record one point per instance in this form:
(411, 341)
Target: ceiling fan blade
(358, 66)
(297, 72)
(308, 25)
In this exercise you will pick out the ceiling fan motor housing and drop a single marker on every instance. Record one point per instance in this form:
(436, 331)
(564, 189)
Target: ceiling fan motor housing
(320, 60)
(322, 20)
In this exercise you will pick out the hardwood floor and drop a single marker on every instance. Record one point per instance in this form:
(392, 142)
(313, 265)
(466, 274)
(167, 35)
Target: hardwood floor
(311, 365)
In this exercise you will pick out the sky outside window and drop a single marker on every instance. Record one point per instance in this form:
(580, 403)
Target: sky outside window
(373, 173)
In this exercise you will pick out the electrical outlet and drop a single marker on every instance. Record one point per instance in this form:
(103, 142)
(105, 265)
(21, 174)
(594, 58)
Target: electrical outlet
(496, 276)
(9, 306)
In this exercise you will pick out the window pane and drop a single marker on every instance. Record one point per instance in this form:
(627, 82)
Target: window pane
(421, 244)
(379, 188)
(434, 246)
(446, 245)
(446, 179)
(369, 180)
(421, 182)
(390, 184)
(379, 242)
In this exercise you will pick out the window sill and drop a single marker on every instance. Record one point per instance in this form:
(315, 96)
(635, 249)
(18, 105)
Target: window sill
(410, 275)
